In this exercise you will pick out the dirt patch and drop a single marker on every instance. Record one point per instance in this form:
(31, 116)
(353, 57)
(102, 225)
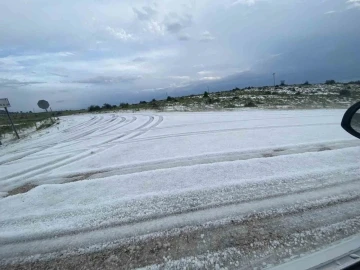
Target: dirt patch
(82, 176)
(267, 155)
(23, 189)
(324, 149)
(279, 150)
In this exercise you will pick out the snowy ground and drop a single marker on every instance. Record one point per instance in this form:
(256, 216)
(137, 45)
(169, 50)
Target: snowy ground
(97, 181)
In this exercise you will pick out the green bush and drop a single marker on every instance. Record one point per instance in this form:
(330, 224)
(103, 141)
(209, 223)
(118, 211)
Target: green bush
(250, 104)
(229, 106)
(124, 105)
(354, 82)
(155, 105)
(330, 82)
(94, 108)
(209, 101)
(345, 93)
(45, 125)
(170, 99)
(106, 106)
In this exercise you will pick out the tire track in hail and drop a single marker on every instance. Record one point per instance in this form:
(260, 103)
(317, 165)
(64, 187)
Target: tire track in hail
(54, 141)
(37, 149)
(88, 132)
(149, 121)
(36, 171)
(158, 122)
(62, 162)
(133, 119)
(81, 156)
(44, 147)
(233, 193)
(51, 140)
(270, 227)
(115, 124)
(40, 169)
(89, 137)
(78, 134)
(242, 120)
(209, 159)
(159, 137)
(18, 157)
(265, 203)
(97, 119)
(79, 125)
(129, 132)
(18, 173)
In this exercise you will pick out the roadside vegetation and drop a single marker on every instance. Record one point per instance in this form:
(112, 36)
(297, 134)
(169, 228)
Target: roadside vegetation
(301, 96)
(330, 94)
(28, 121)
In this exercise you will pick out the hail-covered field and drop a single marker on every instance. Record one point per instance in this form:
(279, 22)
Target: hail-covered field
(173, 190)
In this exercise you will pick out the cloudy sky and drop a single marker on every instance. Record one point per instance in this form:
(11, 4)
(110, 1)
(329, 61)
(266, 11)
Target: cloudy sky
(77, 53)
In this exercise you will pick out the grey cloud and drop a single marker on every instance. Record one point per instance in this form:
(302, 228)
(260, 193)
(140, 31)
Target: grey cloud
(145, 14)
(353, 3)
(244, 2)
(59, 75)
(120, 34)
(175, 23)
(206, 37)
(174, 27)
(315, 47)
(184, 37)
(109, 79)
(139, 59)
(13, 82)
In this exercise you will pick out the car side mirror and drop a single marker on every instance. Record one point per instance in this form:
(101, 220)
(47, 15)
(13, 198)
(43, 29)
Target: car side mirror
(351, 120)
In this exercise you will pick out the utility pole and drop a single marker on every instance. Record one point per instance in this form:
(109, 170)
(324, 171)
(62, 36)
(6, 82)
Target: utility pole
(274, 78)
(52, 120)
(11, 122)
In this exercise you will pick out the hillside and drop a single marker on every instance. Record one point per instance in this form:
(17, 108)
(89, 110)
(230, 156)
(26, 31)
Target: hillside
(281, 97)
